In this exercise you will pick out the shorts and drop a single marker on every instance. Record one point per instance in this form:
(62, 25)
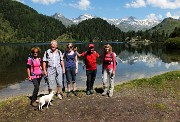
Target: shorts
(70, 74)
(54, 77)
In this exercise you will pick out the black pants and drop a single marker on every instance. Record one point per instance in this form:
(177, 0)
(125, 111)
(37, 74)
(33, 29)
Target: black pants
(91, 75)
(36, 83)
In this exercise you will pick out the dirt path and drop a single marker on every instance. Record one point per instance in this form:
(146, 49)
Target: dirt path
(129, 105)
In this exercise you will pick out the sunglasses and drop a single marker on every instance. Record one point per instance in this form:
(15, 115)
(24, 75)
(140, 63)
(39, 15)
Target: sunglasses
(70, 46)
(35, 52)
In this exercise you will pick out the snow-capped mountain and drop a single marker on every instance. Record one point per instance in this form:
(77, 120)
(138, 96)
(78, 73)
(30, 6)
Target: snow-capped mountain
(82, 18)
(64, 20)
(131, 23)
(126, 24)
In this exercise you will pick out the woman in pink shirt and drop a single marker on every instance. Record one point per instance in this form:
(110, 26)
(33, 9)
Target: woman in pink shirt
(108, 70)
(34, 72)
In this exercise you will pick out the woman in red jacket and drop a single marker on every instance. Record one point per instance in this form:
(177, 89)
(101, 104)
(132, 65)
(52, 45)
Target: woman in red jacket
(108, 70)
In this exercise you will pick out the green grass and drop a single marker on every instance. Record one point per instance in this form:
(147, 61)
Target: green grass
(23, 100)
(160, 106)
(169, 80)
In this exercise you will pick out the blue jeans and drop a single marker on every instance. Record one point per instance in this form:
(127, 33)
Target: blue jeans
(70, 74)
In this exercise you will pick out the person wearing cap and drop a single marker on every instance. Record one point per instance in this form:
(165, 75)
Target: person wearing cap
(91, 67)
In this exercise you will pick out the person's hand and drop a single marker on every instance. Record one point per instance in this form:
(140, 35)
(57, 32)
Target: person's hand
(75, 49)
(63, 71)
(45, 73)
(29, 78)
(76, 71)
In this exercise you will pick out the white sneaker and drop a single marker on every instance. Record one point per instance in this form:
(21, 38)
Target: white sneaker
(104, 93)
(59, 96)
(110, 94)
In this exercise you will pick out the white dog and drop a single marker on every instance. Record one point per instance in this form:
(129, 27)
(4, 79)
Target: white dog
(46, 99)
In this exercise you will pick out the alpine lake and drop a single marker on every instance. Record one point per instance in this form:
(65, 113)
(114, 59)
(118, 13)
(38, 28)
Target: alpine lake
(135, 60)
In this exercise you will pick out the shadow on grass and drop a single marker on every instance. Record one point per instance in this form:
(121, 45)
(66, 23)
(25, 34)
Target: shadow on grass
(99, 90)
(40, 95)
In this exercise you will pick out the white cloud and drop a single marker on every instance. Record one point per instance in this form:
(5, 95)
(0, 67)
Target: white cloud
(136, 4)
(152, 17)
(82, 4)
(164, 4)
(175, 15)
(46, 2)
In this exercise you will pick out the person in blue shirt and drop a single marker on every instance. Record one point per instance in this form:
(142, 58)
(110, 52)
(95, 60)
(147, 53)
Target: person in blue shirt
(71, 68)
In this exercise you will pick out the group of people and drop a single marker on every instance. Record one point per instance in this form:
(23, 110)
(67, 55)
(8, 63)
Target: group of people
(55, 64)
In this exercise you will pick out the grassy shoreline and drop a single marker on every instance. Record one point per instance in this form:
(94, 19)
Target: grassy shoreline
(156, 81)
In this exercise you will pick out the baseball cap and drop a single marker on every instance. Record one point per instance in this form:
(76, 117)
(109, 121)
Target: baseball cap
(91, 45)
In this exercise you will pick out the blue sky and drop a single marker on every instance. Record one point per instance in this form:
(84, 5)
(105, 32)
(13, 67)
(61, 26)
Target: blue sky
(118, 9)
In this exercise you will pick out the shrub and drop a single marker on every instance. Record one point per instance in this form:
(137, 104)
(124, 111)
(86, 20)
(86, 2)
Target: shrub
(172, 43)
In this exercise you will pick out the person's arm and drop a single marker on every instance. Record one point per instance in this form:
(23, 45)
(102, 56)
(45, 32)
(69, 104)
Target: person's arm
(97, 55)
(44, 64)
(78, 54)
(62, 65)
(62, 61)
(44, 68)
(102, 58)
(114, 63)
(76, 60)
(29, 72)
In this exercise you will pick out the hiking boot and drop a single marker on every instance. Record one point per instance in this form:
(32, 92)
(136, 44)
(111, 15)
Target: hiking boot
(63, 89)
(59, 96)
(104, 93)
(92, 91)
(88, 93)
(75, 93)
(68, 94)
(34, 104)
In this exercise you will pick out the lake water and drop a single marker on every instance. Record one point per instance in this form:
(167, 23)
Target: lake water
(134, 61)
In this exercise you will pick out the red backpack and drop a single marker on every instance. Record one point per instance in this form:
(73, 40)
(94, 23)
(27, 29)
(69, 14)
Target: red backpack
(109, 59)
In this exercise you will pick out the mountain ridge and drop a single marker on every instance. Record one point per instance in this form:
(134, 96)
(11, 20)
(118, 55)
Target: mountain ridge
(125, 24)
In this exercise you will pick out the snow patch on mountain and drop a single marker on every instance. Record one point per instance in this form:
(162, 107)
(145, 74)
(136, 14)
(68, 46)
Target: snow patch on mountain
(125, 24)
